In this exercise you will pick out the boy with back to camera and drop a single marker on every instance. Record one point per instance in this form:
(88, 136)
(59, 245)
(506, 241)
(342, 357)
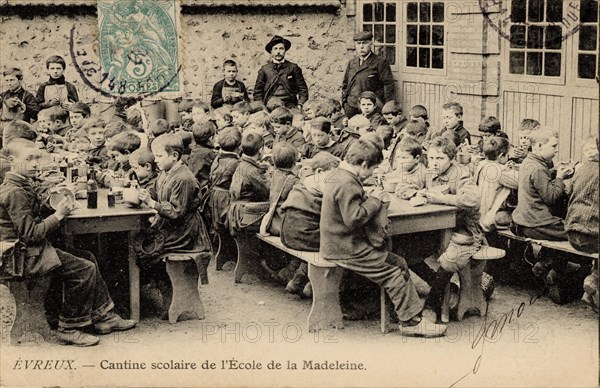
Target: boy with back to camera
(56, 91)
(229, 90)
(346, 210)
(85, 300)
(221, 173)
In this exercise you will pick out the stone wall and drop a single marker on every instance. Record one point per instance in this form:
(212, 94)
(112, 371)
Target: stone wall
(319, 44)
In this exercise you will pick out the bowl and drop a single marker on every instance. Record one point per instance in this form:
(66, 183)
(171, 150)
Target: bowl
(57, 195)
(131, 196)
(389, 185)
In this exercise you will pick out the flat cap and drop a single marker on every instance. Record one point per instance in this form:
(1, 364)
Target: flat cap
(362, 35)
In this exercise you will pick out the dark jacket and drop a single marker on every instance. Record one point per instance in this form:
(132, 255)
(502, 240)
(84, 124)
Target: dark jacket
(288, 74)
(177, 203)
(21, 218)
(199, 163)
(293, 136)
(71, 91)
(249, 182)
(345, 212)
(32, 106)
(537, 193)
(221, 172)
(217, 99)
(373, 75)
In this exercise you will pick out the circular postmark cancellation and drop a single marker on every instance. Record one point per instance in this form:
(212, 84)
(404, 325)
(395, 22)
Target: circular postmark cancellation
(136, 53)
(532, 27)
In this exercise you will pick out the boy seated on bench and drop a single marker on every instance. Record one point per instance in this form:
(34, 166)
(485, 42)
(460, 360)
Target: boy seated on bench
(538, 194)
(85, 298)
(345, 214)
(177, 202)
(467, 236)
(301, 216)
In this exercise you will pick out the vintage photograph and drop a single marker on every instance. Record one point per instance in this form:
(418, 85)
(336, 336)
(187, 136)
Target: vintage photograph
(299, 193)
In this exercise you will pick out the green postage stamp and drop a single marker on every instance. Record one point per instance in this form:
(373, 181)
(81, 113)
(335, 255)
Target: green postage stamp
(139, 47)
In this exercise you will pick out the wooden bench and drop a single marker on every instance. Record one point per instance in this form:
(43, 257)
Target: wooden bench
(325, 278)
(563, 246)
(471, 296)
(183, 271)
(30, 326)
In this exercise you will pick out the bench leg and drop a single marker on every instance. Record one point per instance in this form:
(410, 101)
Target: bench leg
(248, 260)
(471, 294)
(134, 280)
(186, 293)
(325, 310)
(446, 305)
(30, 326)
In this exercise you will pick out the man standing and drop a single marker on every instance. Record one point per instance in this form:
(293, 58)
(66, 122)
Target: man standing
(280, 82)
(366, 72)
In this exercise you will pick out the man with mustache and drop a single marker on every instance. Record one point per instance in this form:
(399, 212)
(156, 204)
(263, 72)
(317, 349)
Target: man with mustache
(367, 71)
(280, 82)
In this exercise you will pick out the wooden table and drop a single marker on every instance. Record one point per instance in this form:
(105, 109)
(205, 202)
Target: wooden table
(104, 219)
(406, 219)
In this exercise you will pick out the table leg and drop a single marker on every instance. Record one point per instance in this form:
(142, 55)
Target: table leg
(446, 235)
(134, 281)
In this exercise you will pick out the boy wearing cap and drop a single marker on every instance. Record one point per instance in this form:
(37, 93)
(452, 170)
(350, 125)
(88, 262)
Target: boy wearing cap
(366, 72)
(280, 82)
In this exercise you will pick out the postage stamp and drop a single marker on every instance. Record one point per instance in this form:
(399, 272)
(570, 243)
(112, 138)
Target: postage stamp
(139, 47)
(519, 20)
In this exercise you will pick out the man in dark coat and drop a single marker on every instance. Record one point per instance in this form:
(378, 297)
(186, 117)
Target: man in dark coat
(366, 72)
(280, 82)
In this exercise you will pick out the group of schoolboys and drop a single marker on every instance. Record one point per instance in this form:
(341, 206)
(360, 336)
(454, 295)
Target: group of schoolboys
(239, 152)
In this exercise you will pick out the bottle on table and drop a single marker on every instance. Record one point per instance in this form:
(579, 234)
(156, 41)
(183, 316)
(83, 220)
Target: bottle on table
(92, 194)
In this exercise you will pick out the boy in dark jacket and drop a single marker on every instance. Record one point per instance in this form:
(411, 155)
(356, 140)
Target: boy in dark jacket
(301, 216)
(221, 172)
(202, 154)
(346, 211)
(56, 91)
(229, 90)
(85, 298)
(17, 103)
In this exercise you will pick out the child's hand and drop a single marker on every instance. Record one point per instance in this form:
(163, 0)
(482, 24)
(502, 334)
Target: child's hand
(345, 122)
(564, 171)
(145, 197)
(66, 105)
(50, 147)
(63, 208)
(434, 196)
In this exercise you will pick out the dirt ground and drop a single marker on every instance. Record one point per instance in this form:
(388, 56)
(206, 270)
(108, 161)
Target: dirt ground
(544, 344)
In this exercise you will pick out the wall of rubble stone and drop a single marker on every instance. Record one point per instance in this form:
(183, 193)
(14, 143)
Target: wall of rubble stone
(320, 41)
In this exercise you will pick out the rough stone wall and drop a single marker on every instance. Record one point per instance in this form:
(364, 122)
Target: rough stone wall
(319, 41)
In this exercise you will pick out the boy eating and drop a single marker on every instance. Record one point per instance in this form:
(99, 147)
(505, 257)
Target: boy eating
(85, 299)
(229, 90)
(346, 210)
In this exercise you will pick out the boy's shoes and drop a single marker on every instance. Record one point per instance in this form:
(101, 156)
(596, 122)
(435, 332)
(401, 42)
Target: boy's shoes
(540, 269)
(307, 292)
(429, 315)
(112, 322)
(228, 266)
(424, 328)
(292, 287)
(76, 338)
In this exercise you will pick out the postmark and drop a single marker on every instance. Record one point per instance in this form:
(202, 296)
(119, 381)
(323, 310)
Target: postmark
(137, 53)
(543, 27)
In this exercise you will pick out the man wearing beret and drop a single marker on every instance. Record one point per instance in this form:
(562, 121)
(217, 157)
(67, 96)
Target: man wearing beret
(366, 72)
(280, 82)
